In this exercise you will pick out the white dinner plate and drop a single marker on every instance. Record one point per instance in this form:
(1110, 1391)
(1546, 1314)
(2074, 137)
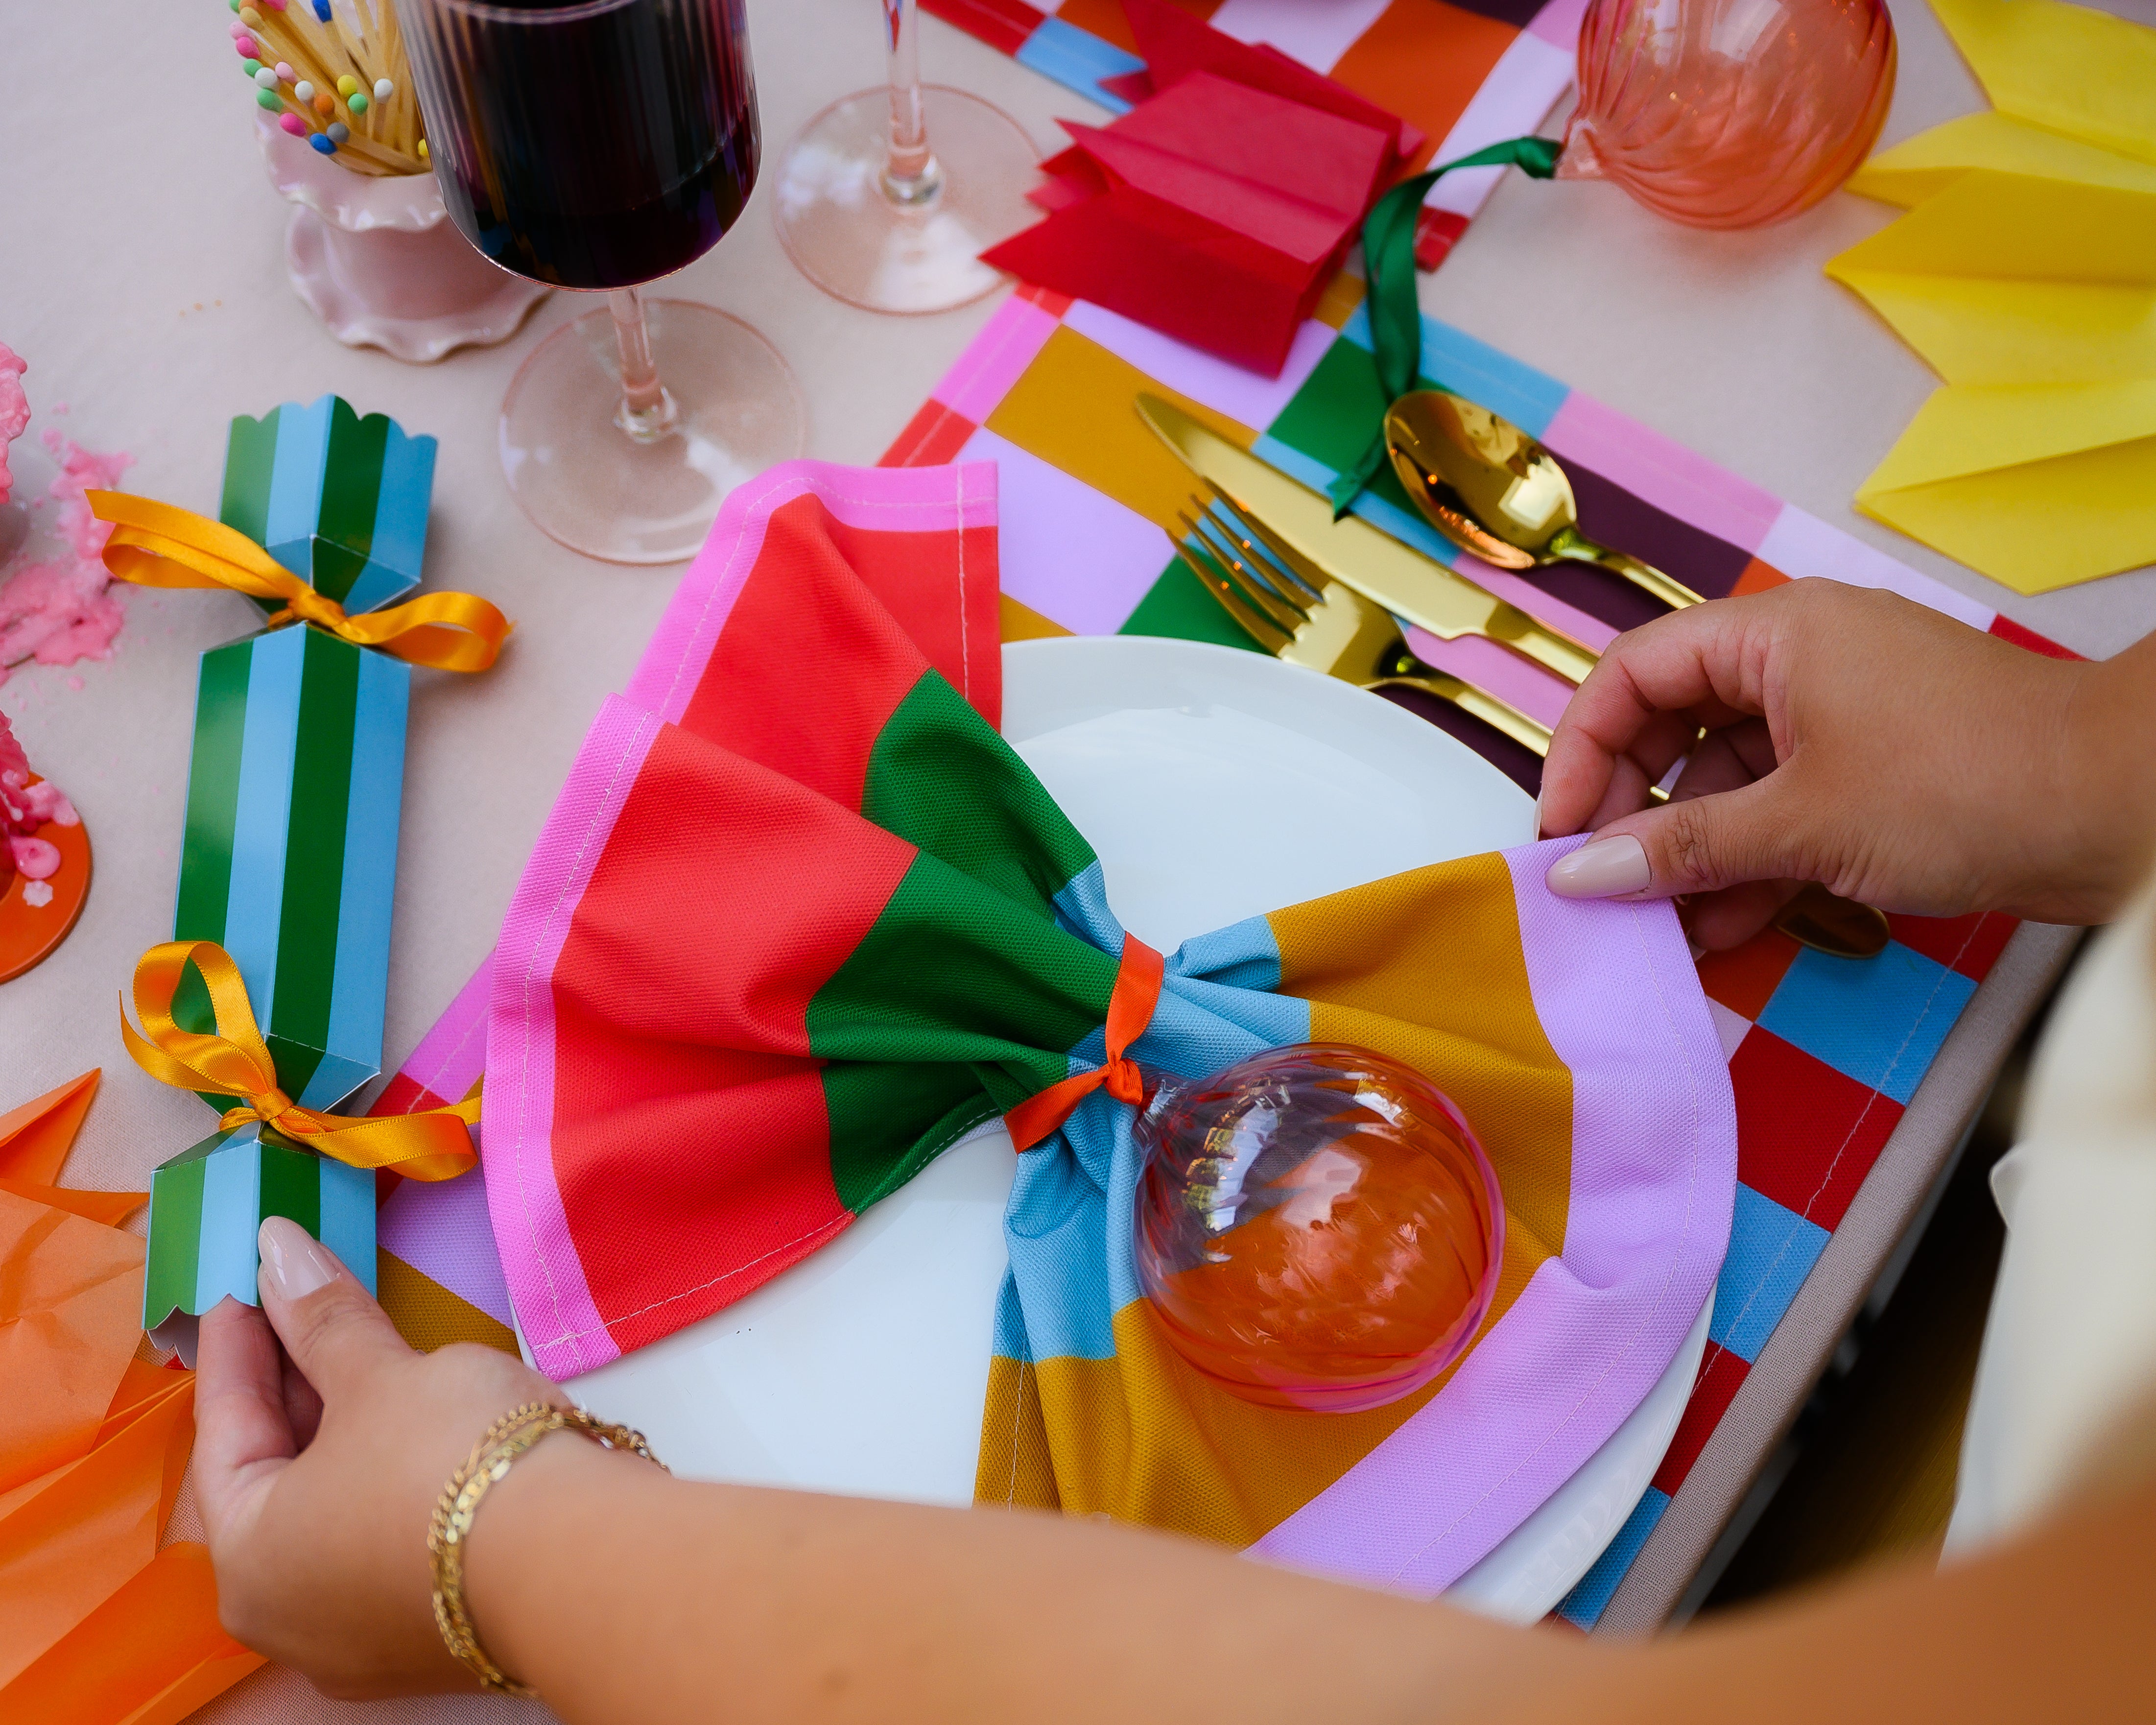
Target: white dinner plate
(1214, 785)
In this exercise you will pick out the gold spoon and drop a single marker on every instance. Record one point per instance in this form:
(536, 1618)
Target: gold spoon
(1492, 489)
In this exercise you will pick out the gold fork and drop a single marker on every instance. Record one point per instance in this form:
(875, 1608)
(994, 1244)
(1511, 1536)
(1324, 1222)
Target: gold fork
(1325, 625)
(1299, 614)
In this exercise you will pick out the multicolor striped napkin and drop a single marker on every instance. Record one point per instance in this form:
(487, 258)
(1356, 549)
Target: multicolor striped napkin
(801, 918)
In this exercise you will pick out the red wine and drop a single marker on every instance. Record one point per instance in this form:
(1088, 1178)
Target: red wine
(593, 144)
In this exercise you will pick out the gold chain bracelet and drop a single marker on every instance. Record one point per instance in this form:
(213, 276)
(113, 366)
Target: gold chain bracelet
(488, 1463)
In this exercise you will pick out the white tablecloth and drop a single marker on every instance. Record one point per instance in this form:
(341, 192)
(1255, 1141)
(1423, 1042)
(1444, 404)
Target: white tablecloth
(141, 274)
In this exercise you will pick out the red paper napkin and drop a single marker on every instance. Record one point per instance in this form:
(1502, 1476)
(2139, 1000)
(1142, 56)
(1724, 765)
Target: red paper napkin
(1216, 209)
(1174, 45)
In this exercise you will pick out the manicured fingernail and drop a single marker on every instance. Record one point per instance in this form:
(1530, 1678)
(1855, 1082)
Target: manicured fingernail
(294, 1265)
(1602, 870)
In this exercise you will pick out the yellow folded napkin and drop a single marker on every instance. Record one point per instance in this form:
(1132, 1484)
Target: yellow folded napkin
(1931, 161)
(2025, 275)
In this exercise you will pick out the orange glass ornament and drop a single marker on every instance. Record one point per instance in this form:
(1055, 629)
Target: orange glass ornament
(1317, 1227)
(1729, 113)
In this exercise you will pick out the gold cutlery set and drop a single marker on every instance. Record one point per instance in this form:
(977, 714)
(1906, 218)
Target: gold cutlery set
(1325, 594)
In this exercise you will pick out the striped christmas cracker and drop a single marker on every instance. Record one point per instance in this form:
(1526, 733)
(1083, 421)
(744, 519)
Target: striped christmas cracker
(289, 857)
(208, 1202)
(338, 500)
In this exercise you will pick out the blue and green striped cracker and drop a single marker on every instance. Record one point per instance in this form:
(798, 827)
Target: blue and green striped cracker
(289, 857)
(208, 1204)
(338, 500)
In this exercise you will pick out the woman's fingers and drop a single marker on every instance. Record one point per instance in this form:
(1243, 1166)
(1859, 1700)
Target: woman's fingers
(242, 1435)
(303, 1406)
(329, 1324)
(1696, 845)
(1723, 760)
(1722, 920)
(1625, 793)
(1660, 744)
(1689, 669)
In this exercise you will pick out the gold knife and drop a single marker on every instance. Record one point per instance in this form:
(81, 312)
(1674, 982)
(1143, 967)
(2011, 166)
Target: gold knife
(1405, 581)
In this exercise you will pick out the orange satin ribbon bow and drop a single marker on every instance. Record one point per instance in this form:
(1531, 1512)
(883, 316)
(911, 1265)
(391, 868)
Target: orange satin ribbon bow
(157, 545)
(1130, 1010)
(435, 1145)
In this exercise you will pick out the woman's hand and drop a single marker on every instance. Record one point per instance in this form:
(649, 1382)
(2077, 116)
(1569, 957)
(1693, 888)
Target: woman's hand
(318, 1468)
(1859, 740)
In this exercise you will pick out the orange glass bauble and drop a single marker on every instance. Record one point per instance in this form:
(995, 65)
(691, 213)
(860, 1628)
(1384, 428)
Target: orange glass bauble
(1318, 1227)
(1729, 113)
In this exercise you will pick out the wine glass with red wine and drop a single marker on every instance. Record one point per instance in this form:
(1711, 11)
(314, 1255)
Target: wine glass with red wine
(596, 145)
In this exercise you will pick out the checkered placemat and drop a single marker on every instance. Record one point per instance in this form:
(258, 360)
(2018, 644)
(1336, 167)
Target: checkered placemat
(1825, 1052)
(1468, 73)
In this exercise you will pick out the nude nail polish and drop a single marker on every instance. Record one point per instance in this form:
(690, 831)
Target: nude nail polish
(1605, 869)
(294, 1264)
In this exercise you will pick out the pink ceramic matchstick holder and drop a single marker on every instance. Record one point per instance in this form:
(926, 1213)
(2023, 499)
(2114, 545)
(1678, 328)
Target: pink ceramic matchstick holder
(377, 258)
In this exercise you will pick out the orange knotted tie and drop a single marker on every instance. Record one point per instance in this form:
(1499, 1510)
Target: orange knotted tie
(1130, 1010)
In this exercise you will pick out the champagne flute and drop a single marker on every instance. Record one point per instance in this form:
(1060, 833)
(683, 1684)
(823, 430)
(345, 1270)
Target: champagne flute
(888, 198)
(596, 145)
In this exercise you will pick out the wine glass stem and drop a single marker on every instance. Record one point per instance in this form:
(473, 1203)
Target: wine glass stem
(911, 175)
(646, 412)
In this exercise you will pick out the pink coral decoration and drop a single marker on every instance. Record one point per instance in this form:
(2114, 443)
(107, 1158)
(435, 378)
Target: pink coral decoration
(14, 409)
(23, 808)
(58, 611)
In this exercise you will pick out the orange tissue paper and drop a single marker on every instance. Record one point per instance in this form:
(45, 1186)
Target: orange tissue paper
(97, 1626)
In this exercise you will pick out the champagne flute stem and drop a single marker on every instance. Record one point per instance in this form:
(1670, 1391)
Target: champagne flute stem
(646, 412)
(911, 175)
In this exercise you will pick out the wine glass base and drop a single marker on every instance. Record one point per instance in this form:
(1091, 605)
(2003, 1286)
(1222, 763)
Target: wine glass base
(862, 246)
(588, 484)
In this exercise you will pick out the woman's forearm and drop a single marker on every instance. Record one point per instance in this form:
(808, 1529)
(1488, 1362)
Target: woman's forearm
(2054, 1626)
(622, 1595)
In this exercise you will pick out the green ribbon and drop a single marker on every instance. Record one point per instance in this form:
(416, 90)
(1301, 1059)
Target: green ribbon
(1388, 259)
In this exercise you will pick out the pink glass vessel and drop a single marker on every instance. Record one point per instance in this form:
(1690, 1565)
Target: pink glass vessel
(1729, 113)
(1318, 1227)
